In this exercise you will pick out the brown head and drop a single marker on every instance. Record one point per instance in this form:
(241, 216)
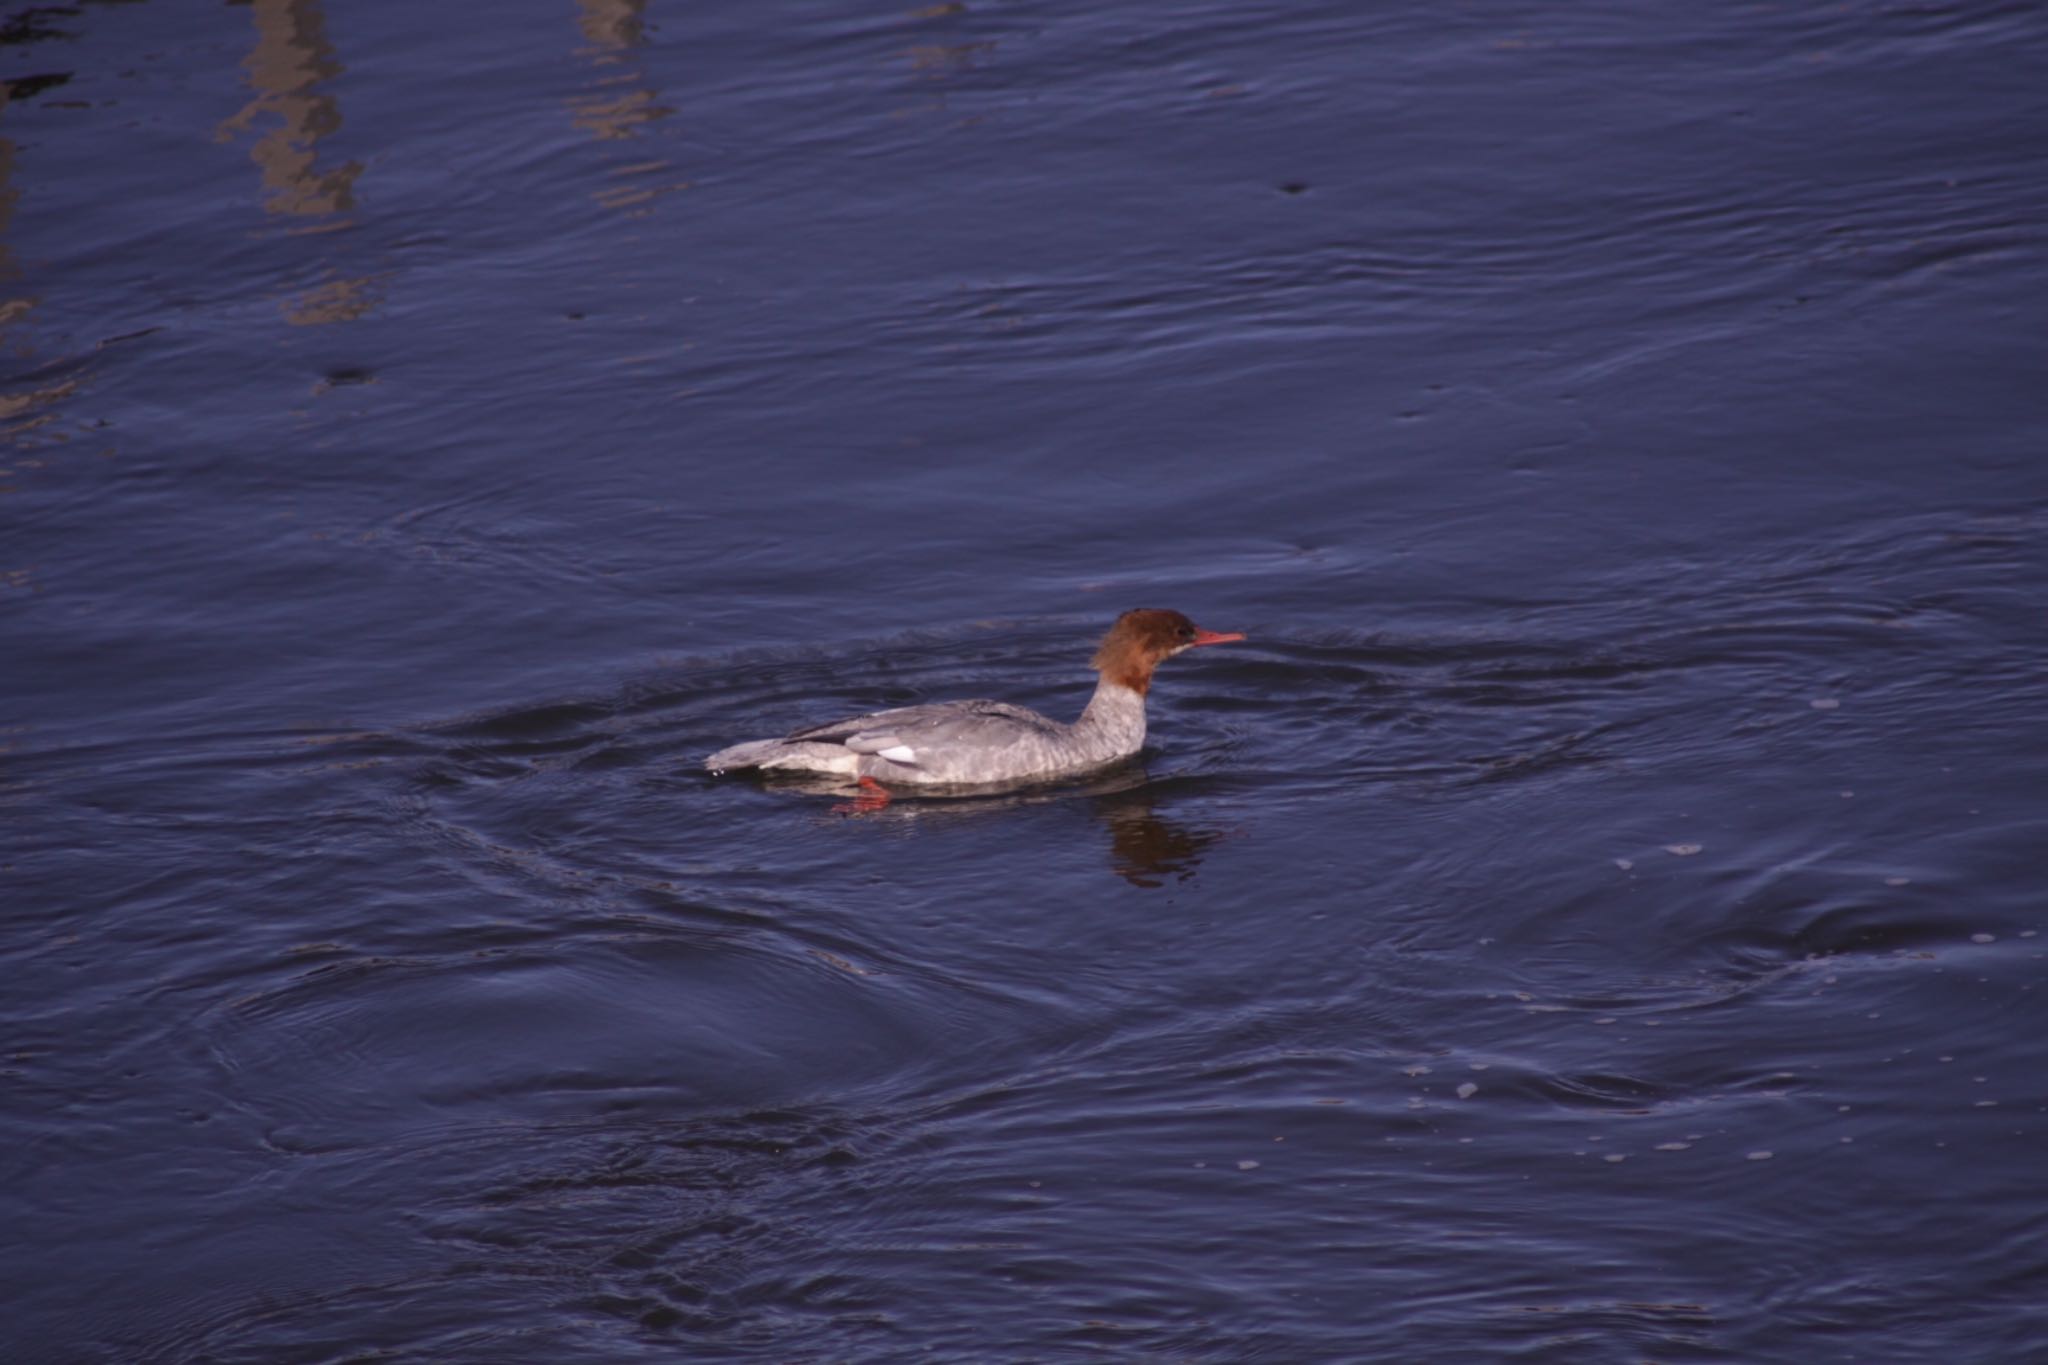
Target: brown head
(1140, 640)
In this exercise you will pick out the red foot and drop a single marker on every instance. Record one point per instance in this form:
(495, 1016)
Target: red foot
(873, 796)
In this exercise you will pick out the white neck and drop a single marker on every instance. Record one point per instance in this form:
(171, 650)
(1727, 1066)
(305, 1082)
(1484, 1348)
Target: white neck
(1114, 722)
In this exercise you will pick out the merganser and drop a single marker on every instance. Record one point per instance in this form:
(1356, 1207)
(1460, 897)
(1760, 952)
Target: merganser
(990, 743)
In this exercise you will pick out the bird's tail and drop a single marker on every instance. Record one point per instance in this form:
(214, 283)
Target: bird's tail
(755, 753)
(800, 755)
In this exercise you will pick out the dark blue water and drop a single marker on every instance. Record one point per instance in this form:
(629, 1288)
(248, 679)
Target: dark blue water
(1596, 917)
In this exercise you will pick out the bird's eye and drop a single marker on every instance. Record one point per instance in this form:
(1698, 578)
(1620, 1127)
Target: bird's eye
(1187, 632)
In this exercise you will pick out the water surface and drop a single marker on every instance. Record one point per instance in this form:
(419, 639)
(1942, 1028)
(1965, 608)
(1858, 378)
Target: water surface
(1596, 916)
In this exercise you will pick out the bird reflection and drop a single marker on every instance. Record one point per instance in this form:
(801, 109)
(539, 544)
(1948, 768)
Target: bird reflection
(1146, 848)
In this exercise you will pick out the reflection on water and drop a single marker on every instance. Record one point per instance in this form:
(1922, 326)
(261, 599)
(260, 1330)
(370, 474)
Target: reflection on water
(291, 61)
(339, 299)
(12, 309)
(35, 391)
(1145, 848)
(613, 24)
(937, 65)
(613, 113)
(26, 409)
(938, 59)
(621, 102)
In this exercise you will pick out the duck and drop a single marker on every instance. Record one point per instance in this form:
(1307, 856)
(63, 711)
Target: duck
(988, 744)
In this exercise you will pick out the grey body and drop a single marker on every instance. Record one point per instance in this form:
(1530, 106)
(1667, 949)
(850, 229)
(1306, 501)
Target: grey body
(956, 743)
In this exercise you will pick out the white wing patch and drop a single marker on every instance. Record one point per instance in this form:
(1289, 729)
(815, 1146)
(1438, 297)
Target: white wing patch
(898, 753)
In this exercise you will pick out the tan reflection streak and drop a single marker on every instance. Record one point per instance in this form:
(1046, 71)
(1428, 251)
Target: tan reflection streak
(291, 60)
(338, 300)
(948, 56)
(22, 415)
(13, 405)
(619, 103)
(617, 116)
(613, 23)
(12, 309)
(8, 195)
